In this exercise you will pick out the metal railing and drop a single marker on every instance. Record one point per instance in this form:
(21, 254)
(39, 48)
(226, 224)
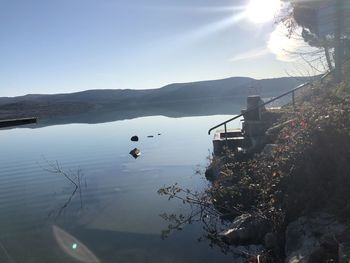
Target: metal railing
(268, 102)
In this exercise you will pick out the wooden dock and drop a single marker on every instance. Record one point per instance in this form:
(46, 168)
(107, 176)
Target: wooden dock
(17, 122)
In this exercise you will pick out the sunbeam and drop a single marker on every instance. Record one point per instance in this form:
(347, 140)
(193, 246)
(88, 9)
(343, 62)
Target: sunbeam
(211, 28)
(219, 9)
(251, 54)
(193, 9)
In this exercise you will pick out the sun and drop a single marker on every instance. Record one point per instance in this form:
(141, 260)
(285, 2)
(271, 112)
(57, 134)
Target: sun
(261, 11)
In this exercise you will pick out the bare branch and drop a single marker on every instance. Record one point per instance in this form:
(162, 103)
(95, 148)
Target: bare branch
(74, 178)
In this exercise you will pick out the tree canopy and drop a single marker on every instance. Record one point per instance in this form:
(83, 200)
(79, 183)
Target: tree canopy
(324, 24)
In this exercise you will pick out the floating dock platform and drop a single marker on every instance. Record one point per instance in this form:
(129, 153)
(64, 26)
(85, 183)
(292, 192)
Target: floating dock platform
(17, 122)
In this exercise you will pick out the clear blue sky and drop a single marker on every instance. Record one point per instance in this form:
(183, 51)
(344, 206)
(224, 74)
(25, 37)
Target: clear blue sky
(58, 46)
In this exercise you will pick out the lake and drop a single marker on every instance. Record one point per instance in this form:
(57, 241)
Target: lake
(115, 217)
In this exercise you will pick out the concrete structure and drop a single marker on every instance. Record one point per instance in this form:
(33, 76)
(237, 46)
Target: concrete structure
(232, 139)
(250, 137)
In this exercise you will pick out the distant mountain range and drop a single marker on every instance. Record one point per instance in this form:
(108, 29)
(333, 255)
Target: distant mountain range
(224, 96)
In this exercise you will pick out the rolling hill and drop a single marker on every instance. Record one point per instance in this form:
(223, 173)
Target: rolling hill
(224, 96)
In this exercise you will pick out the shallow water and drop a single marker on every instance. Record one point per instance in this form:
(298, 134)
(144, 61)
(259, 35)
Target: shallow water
(116, 217)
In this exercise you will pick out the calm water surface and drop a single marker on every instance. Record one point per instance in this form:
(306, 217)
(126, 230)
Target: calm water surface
(119, 220)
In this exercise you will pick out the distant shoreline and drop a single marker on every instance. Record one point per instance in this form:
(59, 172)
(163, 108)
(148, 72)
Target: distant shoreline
(226, 96)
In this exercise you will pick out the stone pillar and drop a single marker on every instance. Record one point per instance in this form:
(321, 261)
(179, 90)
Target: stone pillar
(253, 102)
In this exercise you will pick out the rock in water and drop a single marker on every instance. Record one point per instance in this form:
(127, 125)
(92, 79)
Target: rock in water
(150, 136)
(135, 153)
(134, 138)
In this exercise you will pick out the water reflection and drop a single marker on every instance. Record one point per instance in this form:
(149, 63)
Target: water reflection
(120, 221)
(176, 109)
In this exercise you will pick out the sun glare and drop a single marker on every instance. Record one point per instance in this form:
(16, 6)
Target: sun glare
(261, 11)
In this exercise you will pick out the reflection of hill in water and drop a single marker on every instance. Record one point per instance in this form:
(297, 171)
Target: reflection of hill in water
(226, 96)
(174, 110)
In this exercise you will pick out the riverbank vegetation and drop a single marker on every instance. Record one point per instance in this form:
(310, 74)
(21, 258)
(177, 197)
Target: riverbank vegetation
(304, 172)
(307, 170)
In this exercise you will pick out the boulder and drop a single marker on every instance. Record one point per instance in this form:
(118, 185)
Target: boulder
(344, 246)
(214, 169)
(313, 239)
(250, 253)
(246, 229)
(344, 252)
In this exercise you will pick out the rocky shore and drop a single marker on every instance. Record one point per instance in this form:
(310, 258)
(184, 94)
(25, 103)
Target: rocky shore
(292, 197)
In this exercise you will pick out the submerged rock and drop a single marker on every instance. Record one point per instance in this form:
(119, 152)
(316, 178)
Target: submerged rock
(150, 136)
(134, 138)
(135, 153)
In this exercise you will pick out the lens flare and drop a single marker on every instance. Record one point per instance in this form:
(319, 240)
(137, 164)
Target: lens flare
(73, 247)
